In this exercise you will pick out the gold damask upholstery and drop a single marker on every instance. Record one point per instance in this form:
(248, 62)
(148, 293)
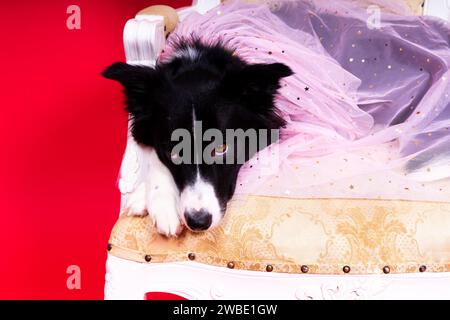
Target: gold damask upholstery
(318, 236)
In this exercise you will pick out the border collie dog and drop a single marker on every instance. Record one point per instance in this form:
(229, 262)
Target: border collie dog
(199, 84)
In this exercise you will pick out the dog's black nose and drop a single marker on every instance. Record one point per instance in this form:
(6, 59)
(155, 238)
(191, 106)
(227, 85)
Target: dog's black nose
(198, 220)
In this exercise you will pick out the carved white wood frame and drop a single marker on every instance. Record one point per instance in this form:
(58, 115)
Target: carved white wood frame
(143, 41)
(192, 280)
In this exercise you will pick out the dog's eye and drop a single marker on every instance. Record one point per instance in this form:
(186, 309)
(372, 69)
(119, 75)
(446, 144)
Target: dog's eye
(220, 150)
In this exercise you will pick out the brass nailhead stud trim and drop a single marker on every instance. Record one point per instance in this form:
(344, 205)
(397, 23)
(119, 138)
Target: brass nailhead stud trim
(386, 269)
(346, 269)
(304, 269)
(191, 256)
(269, 268)
(423, 268)
(230, 265)
(109, 247)
(148, 258)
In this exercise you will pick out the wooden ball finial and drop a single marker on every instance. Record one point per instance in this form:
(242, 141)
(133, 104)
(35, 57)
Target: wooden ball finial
(170, 16)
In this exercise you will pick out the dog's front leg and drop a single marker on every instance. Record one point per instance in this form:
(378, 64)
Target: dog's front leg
(133, 177)
(155, 194)
(162, 197)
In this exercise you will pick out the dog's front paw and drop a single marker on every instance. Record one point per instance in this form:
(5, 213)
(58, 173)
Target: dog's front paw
(136, 202)
(164, 212)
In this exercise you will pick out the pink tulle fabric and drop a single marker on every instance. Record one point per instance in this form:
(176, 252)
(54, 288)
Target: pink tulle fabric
(366, 99)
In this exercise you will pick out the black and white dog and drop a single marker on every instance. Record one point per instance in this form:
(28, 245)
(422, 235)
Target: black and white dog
(199, 83)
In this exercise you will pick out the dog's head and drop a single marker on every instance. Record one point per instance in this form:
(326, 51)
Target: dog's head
(199, 111)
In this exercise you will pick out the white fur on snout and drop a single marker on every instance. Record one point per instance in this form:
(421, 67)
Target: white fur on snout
(201, 196)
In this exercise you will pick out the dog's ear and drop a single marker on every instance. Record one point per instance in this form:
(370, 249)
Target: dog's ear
(255, 85)
(143, 89)
(264, 77)
(255, 80)
(140, 83)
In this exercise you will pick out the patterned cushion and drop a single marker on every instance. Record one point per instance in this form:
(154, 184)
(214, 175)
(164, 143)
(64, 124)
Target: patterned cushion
(319, 236)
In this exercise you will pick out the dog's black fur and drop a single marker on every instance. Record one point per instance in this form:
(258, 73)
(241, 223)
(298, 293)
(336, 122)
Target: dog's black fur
(221, 89)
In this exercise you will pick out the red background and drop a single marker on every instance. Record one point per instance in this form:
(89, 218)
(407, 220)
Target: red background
(62, 134)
